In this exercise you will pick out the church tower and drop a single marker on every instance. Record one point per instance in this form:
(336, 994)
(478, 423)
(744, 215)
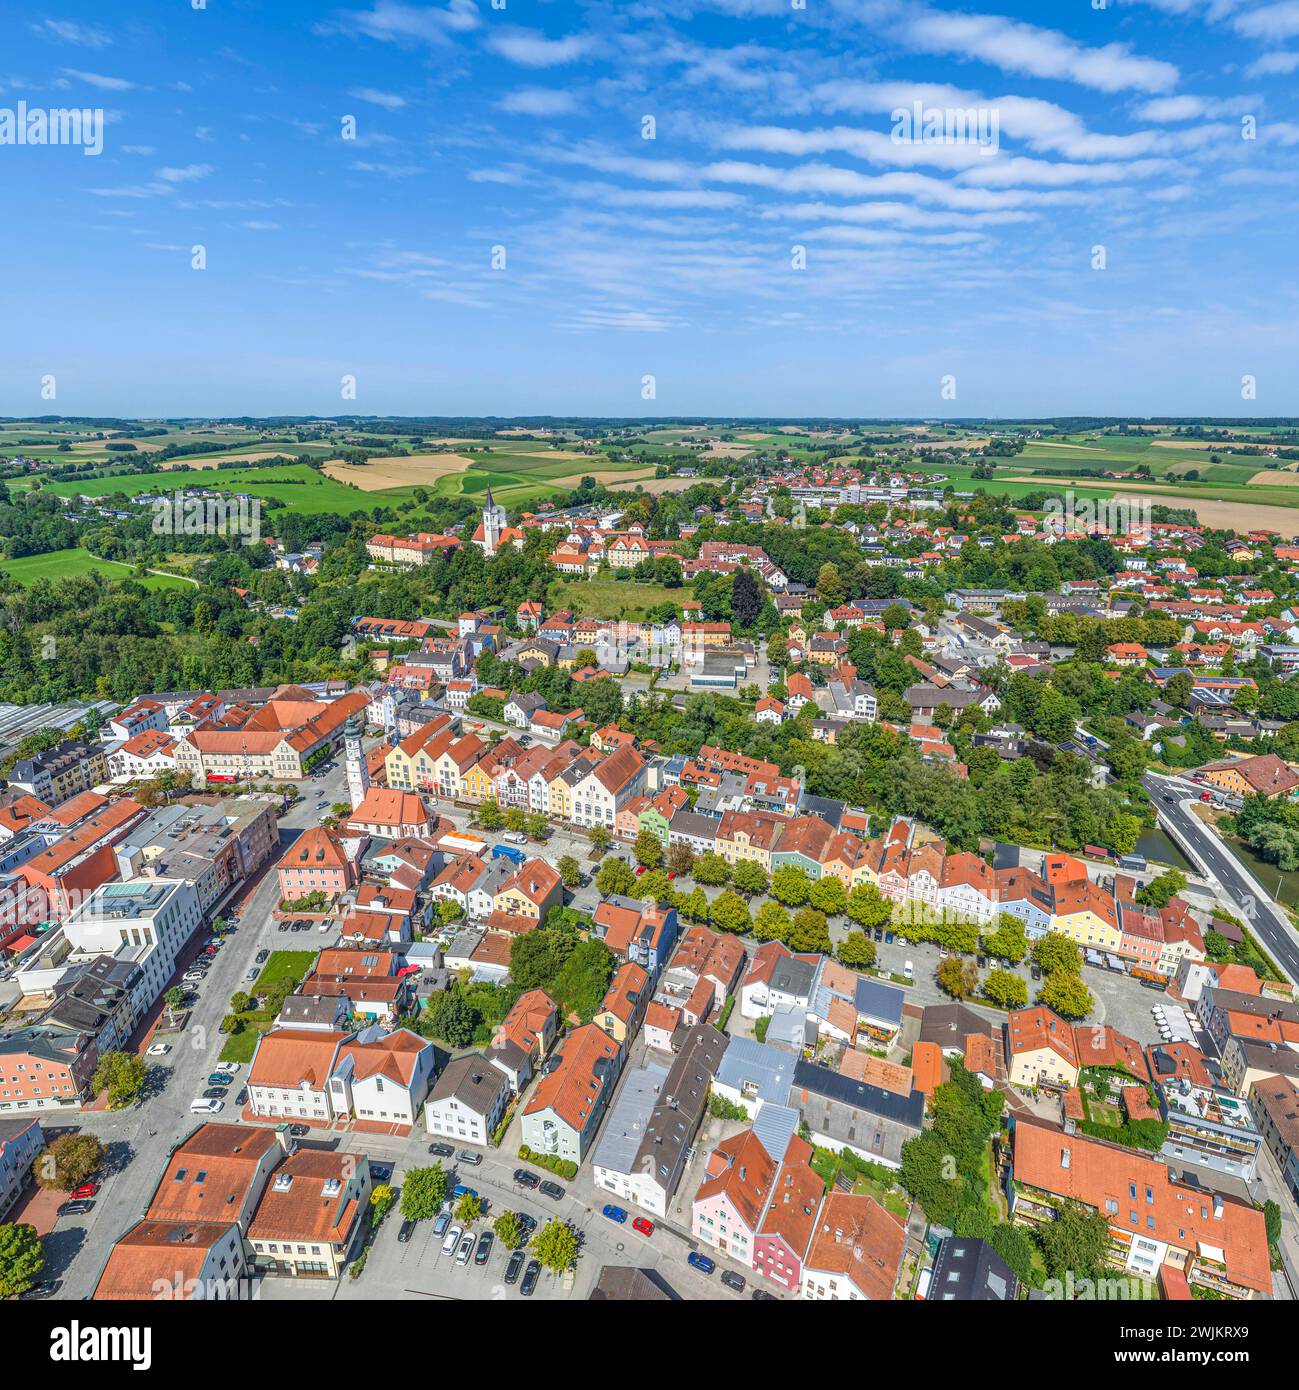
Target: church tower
(493, 524)
(358, 776)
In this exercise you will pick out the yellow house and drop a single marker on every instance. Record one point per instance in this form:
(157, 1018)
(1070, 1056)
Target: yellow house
(543, 652)
(410, 764)
(1040, 1047)
(621, 1010)
(848, 860)
(531, 891)
(560, 797)
(1087, 915)
(475, 784)
(450, 766)
(748, 836)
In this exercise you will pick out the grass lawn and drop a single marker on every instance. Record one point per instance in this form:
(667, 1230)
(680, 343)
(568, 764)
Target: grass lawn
(239, 1047)
(611, 598)
(285, 965)
(63, 564)
(280, 966)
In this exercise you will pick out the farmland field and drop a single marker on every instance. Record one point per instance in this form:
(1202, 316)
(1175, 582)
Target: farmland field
(62, 564)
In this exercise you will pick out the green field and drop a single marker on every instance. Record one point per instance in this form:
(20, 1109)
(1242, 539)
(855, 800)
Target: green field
(609, 598)
(300, 488)
(62, 564)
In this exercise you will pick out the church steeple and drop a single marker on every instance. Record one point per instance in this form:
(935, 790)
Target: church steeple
(493, 524)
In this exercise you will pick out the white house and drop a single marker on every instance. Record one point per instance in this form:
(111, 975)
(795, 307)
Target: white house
(468, 1100)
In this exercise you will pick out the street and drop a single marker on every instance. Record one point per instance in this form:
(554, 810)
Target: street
(1242, 894)
(141, 1137)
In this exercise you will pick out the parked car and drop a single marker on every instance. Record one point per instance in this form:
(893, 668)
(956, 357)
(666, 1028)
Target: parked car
(643, 1224)
(47, 1288)
(762, 1296)
(484, 1251)
(297, 1131)
(530, 1277)
(733, 1280)
(615, 1214)
(87, 1189)
(524, 1178)
(203, 1106)
(441, 1222)
(1037, 972)
(441, 1150)
(452, 1239)
(215, 1092)
(242, 1097)
(158, 1050)
(551, 1189)
(888, 938)
(193, 977)
(262, 957)
(460, 1190)
(407, 1230)
(466, 1248)
(469, 1157)
(529, 1223)
(228, 1067)
(219, 1078)
(515, 1267)
(77, 1207)
(701, 1262)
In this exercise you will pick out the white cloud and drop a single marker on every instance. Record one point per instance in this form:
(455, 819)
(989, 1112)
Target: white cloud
(1278, 64)
(538, 101)
(1017, 47)
(392, 22)
(1271, 22)
(390, 101)
(69, 32)
(530, 48)
(97, 79)
(185, 174)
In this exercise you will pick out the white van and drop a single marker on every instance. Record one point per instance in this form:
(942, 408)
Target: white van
(204, 1106)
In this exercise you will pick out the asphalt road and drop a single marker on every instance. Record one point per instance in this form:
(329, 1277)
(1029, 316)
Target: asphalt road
(1242, 894)
(141, 1138)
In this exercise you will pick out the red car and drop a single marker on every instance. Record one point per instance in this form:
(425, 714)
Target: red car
(644, 1225)
(87, 1189)
(640, 869)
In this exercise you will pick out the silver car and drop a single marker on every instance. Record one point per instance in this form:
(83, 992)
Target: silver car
(466, 1248)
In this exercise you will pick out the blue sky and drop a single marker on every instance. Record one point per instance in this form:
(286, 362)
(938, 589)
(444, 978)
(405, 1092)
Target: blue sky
(523, 127)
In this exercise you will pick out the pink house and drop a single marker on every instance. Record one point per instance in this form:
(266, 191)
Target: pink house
(758, 1211)
(316, 862)
(780, 1247)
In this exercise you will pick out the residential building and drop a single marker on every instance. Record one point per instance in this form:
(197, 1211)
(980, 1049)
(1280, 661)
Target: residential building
(468, 1100)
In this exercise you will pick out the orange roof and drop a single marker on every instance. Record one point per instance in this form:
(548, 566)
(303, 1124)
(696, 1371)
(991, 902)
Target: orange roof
(317, 1205)
(154, 1253)
(929, 1067)
(1095, 1173)
(795, 1198)
(857, 1238)
(210, 1174)
(318, 847)
(290, 1057)
(742, 1171)
(394, 1056)
(588, 1064)
(19, 814)
(1029, 1030)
